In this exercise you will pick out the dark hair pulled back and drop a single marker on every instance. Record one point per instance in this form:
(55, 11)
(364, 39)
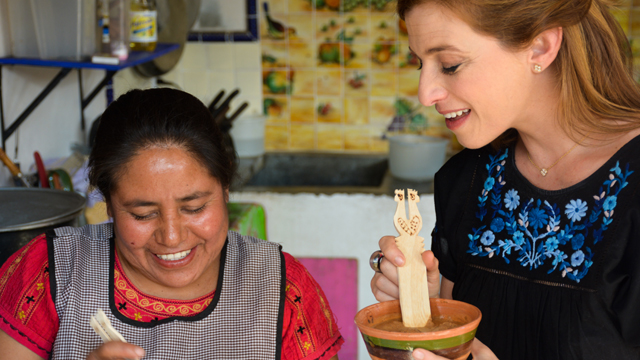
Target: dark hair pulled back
(141, 119)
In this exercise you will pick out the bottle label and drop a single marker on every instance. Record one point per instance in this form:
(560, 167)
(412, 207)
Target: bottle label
(143, 26)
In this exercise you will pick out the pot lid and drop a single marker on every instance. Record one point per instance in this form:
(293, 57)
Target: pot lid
(29, 208)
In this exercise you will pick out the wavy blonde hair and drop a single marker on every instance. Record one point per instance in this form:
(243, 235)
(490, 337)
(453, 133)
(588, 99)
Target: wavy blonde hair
(598, 93)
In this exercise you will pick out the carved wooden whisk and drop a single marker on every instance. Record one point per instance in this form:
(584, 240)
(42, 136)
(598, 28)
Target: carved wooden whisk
(412, 277)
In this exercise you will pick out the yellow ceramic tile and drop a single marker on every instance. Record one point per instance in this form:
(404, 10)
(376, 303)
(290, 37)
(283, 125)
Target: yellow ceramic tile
(362, 8)
(330, 137)
(269, 33)
(634, 31)
(356, 83)
(276, 137)
(329, 109)
(275, 6)
(299, 5)
(303, 109)
(403, 35)
(356, 110)
(384, 55)
(302, 137)
(330, 54)
(382, 110)
(435, 118)
(302, 28)
(276, 82)
(378, 141)
(304, 82)
(326, 5)
(384, 27)
(384, 83)
(302, 55)
(276, 109)
(636, 68)
(356, 27)
(387, 6)
(359, 56)
(408, 82)
(328, 27)
(622, 16)
(406, 58)
(329, 82)
(274, 54)
(438, 131)
(357, 138)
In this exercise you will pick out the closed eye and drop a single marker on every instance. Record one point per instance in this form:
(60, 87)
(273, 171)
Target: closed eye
(195, 211)
(450, 70)
(141, 217)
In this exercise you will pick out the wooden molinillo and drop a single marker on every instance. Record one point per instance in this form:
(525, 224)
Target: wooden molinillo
(412, 277)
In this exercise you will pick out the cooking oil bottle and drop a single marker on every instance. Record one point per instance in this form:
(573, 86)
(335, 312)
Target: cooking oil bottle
(144, 27)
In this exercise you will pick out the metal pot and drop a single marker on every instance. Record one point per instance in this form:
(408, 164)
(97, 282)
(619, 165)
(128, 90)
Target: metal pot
(27, 213)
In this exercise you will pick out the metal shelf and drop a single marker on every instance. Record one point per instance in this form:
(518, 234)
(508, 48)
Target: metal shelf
(135, 58)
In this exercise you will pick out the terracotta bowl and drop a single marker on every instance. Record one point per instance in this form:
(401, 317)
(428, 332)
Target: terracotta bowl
(452, 344)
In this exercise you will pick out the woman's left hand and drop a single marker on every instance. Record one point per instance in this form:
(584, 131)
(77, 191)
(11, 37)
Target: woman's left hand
(479, 351)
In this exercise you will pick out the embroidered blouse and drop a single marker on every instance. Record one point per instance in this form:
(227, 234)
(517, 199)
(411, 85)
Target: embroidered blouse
(27, 311)
(555, 273)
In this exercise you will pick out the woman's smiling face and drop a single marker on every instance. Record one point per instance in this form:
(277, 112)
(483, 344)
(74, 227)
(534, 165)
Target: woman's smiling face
(481, 88)
(170, 222)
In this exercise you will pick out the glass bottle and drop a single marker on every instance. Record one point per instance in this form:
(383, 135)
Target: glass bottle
(144, 28)
(104, 40)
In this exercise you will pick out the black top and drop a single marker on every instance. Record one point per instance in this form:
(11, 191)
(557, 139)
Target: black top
(555, 273)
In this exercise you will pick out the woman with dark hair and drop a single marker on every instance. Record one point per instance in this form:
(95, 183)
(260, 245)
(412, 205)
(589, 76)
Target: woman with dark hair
(537, 221)
(167, 272)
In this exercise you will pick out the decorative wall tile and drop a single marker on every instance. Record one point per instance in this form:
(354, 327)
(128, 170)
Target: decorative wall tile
(278, 136)
(333, 78)
(330, 137)
(303, 109)
(302, 137)
(277, 110)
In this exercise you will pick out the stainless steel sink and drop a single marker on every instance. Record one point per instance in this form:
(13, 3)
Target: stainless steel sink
(313, 172)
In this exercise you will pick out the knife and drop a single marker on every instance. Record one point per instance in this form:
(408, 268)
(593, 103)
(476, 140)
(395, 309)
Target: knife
(13, 168)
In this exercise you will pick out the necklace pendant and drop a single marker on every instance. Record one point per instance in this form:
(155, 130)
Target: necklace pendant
(543, 172)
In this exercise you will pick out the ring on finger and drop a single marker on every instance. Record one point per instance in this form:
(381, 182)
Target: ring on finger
(375, 260)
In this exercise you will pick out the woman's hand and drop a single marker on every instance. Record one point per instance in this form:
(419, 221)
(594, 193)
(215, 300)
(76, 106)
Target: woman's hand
(113, 350)
(384, 285)
(479, 351)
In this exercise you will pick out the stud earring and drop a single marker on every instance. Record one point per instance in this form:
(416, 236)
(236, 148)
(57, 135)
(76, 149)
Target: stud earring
(537, 68)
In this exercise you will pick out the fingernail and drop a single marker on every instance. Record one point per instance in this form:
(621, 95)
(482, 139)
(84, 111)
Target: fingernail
(399, 261)
(418, 355)
(140, 352)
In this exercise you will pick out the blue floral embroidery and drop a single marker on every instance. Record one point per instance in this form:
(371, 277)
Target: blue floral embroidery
(576, 210)
(537, 231)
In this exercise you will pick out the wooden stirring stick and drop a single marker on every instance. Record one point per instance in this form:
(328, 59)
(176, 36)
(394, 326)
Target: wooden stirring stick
(412, 277)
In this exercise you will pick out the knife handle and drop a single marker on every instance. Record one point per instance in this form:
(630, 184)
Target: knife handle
(12, 167)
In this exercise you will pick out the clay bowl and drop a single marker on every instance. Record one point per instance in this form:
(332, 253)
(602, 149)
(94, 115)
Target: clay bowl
(389, 345)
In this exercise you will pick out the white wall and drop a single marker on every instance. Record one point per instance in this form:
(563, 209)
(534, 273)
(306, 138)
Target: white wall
(338, 225)
(54, 126)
